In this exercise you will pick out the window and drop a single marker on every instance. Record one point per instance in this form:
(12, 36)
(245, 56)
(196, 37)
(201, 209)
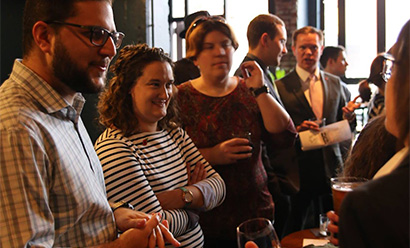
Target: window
(233, 12)
(367, 28)
(396, 16)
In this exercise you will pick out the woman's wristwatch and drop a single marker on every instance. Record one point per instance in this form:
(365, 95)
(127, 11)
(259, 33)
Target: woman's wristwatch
(187, 196)
(121, 204)
(258, 91)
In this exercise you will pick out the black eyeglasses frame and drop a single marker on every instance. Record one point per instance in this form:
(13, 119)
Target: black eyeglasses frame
(117, 37)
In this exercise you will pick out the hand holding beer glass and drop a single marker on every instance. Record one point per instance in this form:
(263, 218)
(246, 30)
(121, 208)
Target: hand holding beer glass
(340, 187)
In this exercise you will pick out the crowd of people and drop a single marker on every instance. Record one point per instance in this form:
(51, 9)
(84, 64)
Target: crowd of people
(185, 159)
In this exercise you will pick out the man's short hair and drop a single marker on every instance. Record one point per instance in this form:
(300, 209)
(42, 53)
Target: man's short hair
(307, 30)
(330, 52)
(46, 10)
(265, 23)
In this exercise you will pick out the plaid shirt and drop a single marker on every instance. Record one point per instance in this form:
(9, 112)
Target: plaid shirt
(51, 183)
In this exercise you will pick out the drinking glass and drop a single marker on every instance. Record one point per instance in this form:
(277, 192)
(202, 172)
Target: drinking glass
(245, 135)
(258, 230)
(320, 122)
(323, 223)
(341, 186)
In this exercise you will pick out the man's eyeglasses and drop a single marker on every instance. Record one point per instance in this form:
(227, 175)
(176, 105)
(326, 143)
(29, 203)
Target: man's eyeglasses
(98, 35)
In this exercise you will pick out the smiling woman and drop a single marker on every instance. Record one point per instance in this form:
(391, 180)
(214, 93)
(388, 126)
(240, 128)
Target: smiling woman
(148, 161)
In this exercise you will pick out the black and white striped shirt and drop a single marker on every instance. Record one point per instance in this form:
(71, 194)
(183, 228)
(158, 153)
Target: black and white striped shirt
(138, 167)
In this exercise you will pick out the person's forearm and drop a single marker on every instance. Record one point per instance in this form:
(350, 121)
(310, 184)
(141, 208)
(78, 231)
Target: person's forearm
(207, 154)
(275, 117)
(173, 199)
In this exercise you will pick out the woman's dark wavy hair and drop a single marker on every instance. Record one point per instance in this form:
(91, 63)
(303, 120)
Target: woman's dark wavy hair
(115, 103)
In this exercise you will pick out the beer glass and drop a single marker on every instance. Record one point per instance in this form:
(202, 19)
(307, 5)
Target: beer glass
(258, 230)
(341, 186)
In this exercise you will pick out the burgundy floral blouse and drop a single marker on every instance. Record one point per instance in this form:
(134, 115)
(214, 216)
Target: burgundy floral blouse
(212, 120)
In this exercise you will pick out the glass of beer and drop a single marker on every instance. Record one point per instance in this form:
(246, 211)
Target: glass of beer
(341, 186)
(260, 231)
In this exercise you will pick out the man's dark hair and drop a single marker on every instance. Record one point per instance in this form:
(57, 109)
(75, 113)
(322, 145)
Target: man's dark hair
(46, 10)
(330, 52)
(266, 23)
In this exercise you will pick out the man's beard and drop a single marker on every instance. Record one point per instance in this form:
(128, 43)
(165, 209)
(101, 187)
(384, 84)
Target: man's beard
(68, 72)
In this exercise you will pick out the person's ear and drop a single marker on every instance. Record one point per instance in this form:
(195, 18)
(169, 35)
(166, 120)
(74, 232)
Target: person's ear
(321, 50)
(264, 39)
(43, 35)
(195, 61)
(294, 49)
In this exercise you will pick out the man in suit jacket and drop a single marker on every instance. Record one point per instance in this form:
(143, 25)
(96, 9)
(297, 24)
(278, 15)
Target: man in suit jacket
(309, 93)
(267, 44)
(333, 61)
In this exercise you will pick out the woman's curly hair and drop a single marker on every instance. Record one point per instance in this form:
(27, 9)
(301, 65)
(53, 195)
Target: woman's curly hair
(115, 104)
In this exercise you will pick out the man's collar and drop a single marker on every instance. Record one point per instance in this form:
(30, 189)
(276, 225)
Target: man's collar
(44, 94)
(303, 74)
(258, 60)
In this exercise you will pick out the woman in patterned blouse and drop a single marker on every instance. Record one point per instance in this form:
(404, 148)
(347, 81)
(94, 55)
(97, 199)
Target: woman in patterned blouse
(227, 118)
(145, 156)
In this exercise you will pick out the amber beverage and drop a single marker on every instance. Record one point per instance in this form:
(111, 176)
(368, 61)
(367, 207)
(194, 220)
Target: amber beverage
(341, 186)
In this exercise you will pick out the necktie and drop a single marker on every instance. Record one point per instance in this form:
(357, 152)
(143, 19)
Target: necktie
(316, 96)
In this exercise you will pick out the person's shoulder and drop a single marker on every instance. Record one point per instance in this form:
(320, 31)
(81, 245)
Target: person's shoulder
(17, 106)
(288, 82)
(238, 71)
(111, 137)
(332, 78)
(184, 86)
(397, 182)
(176, 133)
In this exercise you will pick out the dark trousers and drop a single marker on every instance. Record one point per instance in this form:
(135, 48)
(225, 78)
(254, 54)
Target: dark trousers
(314, 196)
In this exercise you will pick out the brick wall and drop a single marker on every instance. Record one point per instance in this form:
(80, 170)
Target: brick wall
(287, 11)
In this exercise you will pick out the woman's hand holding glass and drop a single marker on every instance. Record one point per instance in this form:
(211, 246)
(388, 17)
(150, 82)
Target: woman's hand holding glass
(333, 227)
(228, 152)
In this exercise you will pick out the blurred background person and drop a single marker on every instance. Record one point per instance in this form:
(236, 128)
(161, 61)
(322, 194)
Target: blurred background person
(144, 154)
(227, 117)
(385, 198)
(380, 71)
(310, 93)
(333, 60)
(267, 38)
(185, 69)
(373, 148)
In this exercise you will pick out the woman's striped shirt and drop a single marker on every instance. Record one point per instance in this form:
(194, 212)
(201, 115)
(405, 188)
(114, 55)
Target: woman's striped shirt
(138, 167)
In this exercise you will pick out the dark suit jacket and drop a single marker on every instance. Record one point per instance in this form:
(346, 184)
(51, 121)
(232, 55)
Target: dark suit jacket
(377, 213)
(281, 164)
(296, 104)
(266, 77)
